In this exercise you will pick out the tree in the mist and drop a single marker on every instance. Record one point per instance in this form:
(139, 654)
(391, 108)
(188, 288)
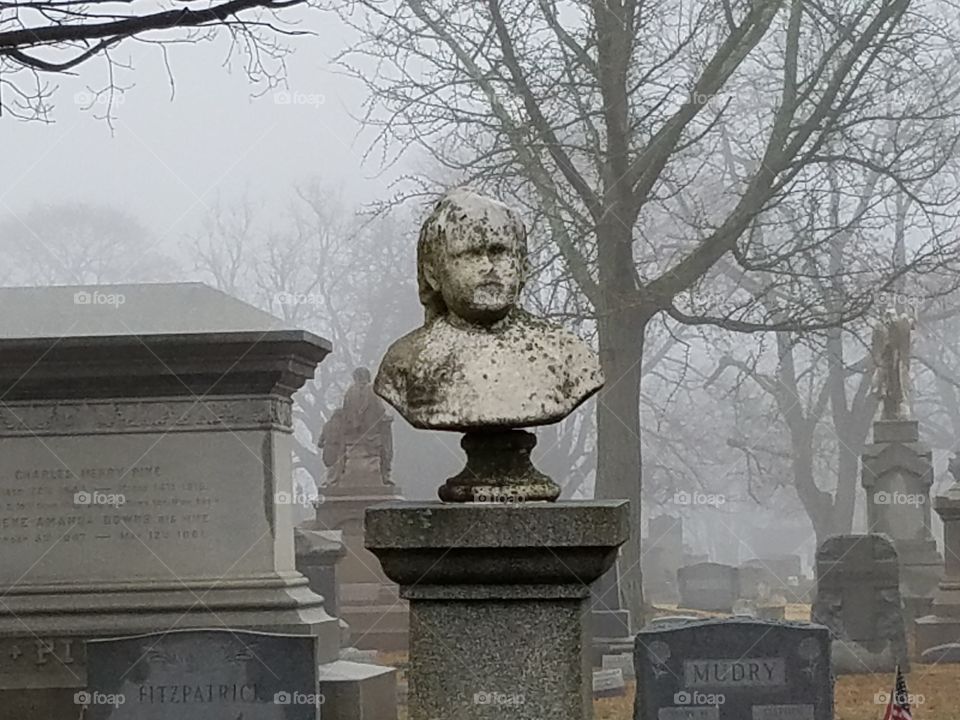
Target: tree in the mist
(321, 266)
(660, 139)
(78, 243)
(43, 39)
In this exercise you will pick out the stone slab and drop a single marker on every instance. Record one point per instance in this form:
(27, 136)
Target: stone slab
(358, 691)
(202, 675)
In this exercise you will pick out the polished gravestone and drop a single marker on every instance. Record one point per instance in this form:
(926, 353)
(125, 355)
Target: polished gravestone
(147, 439)
(733, 669)
(202, 675)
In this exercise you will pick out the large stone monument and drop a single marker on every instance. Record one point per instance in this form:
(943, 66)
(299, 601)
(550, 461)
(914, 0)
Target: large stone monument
(942, 626)
(147, 440)
(498, 559)
(356, 444)
(897, 470)
(858, 598)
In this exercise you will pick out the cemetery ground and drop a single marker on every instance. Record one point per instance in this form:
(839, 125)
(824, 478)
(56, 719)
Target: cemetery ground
(857, 697)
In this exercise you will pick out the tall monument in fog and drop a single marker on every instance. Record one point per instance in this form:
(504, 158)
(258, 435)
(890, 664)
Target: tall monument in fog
(356, 444)
(897, 468)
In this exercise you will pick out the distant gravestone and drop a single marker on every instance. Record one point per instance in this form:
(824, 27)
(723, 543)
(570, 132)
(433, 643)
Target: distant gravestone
(708, 586)
(621, 661)
(858, 598)
(662, 558)
(733, 669)
(774, 574)
(609, 683)
(202, 675)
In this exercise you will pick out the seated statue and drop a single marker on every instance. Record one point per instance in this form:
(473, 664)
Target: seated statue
(479, 361)
(357, 440)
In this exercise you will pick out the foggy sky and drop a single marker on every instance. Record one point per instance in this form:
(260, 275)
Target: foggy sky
(167, 159)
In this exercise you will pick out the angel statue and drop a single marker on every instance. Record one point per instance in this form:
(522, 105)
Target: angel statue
(891, 358)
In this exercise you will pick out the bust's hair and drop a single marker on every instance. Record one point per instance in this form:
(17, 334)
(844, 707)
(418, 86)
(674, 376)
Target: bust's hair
(453, 209)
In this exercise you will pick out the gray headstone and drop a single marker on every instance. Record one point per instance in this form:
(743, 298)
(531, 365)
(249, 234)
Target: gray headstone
(621, 661)
(608, 683)
(733, 669)
(202, 675)
(858, 598)
(708, 586)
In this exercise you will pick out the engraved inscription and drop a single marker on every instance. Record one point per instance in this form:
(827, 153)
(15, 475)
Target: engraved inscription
(124, 506)
(689, 713)
(728, 672)
(783, 712)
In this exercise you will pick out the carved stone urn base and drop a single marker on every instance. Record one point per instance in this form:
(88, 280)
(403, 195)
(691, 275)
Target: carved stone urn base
(499, 469)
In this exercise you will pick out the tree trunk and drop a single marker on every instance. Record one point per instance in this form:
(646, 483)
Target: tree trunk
(618, 439)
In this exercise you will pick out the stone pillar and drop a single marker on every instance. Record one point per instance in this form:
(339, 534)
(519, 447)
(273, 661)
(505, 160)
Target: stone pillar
(897, 476)
(498, 595)
(368, 602)
(942, 626)
(317, 555)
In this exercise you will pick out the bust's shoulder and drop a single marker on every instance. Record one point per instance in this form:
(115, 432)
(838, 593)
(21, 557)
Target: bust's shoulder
(398, 361)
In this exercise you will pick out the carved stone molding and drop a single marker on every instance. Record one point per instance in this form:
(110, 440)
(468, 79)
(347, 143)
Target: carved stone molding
(89, 417)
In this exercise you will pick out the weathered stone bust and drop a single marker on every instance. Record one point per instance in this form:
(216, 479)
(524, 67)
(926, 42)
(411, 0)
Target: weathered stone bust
(480, 362)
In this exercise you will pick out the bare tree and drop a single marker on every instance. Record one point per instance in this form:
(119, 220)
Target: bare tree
(42, 39)
(320, 266)
(78, 243)
(658, 140)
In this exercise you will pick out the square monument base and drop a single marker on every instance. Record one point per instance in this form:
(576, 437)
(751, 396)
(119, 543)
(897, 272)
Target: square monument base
(498, 595)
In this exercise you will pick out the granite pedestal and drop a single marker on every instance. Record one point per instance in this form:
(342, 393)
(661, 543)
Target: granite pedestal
(942, 626)
(497, 596)
(368, 602)
(897, 476)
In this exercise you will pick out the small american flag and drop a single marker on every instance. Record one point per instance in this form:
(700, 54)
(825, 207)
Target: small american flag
(899, 707)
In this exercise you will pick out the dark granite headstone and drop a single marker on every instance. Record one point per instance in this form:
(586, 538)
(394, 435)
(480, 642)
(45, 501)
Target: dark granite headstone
(708, 586)
(858, 598)
(733, 669)
(202, 675)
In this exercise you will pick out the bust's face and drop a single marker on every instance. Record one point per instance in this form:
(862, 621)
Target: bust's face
(480, 274)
